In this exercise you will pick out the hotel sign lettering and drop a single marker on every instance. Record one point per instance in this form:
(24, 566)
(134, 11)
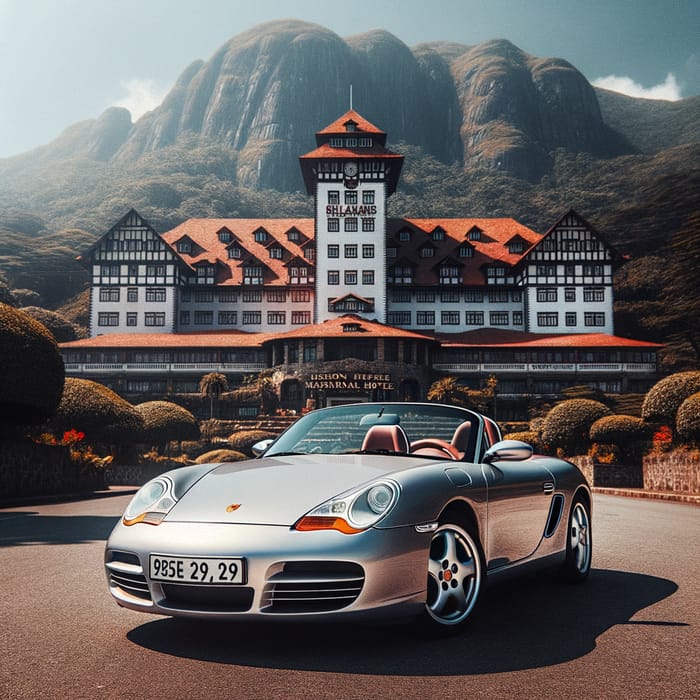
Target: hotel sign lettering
(351, 210)
(349, 381)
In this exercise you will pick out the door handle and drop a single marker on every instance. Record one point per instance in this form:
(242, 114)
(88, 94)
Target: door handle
(548, 487)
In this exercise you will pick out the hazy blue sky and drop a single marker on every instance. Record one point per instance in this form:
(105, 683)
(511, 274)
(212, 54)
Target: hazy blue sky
(63, 61)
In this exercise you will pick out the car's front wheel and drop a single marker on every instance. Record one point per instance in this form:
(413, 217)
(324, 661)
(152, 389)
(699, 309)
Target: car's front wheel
(455, 576)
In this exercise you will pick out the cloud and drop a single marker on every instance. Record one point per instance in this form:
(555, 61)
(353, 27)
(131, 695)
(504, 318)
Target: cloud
(142, 95)
(668, 90)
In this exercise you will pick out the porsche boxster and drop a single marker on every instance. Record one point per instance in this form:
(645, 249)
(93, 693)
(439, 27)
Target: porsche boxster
(359, 510)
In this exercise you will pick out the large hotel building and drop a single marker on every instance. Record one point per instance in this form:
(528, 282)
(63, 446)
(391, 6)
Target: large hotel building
(352, 305)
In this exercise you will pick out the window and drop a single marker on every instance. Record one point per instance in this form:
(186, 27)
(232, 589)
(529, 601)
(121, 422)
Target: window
(399, 318)
(298, 274)
(333, 251)
(466, 251)
(131, 318)
(449, 318)
(549, 318)
(425, 297)
(517, 318)
(593, 319)
(335, 142)
(228, 318)
(547, 294)
(438, 234)
(225, 236)
(350, 224)
(204, 296)
(153, 318)
(449, 297)
(593, 294)
(368, 197)
(570, 294)
(276, 253)
(109, 293)
(184, 318)
(474, 318)
(516, 296)
(252, 297)
(364, 142)
(546, 270)
(203, 318)
(472, 297)
(404, 235)
(367, 276)
(109, 270)
(108, 319)
(368, 250)
(350, 196)
(299, 295)
(474, 234)
(391, 251)
(333, 225)
(184, 246)
(590, 269)
(252, 274)
(301, 318)
(276, 295)
(235, 252)
(425, 318)
(157, 294)
(351, 251)
(333, 277)
(570, 318)
(333, 196)
(496, 272)
(401, 296)
(132, 294)
(159, 270)
(261, 236)
(427, 251)
(350, 276)
(251, 318)
(498, 318)
(449, 274)
(402, 274)
(276, 318)
(498, 297)
(309, 351)
(367, 224)
(228, 295)
(515, 247)
(293, 235)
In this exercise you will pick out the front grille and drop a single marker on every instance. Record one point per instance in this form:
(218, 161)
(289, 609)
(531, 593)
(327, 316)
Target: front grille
(309, 587)
(207, 598)
(126, 574)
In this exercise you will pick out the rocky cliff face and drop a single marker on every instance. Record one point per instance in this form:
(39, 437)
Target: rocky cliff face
(267, 91)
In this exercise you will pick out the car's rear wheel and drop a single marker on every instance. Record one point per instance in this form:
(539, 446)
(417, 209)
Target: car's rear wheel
(455, 577)
(579, 542)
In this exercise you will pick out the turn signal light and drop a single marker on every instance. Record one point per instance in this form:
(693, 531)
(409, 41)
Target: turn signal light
(311, 522)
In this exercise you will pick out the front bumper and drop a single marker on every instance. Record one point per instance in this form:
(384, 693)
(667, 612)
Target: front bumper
(290, 574)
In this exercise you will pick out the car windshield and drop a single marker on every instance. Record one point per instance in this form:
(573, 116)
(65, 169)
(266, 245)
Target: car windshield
(384, 428)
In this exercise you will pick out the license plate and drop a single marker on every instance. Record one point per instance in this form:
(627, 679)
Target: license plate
(222, 571)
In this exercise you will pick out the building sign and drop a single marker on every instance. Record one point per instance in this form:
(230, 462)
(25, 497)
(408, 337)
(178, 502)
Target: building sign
(351, 210)
(349, 381)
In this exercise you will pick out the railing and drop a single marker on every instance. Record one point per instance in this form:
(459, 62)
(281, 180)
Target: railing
(162, 367)
(542, 367)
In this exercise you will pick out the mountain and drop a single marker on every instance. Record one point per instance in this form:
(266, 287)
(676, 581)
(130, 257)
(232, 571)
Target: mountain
(488, 130)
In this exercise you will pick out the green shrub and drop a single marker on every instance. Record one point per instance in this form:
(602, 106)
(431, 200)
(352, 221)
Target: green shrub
(31, 369)
(688, 418)
(629, 434)
(243, 440)
(165, 421)
(221, 455)
(100, 413)
(568, 424)
(664, 399)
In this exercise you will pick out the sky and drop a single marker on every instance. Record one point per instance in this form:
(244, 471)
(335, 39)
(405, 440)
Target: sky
(64, 61)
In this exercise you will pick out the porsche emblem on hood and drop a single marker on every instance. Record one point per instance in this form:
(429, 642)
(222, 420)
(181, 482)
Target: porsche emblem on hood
(232, 507)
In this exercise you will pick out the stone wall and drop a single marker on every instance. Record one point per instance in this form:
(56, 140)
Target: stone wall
(676, 471)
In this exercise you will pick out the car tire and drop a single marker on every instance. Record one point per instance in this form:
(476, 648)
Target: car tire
(455, 578)
(579, 543)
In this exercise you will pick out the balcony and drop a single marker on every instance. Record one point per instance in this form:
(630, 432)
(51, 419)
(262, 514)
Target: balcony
(89, 368)
(547, 367)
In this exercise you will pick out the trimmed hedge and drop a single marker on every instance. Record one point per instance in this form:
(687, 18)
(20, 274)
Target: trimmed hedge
(688, 418)
(165, 421)
(666, 396)
(631, 435)
(221, 455)
(243, 440)
(531, 437)
(31, 369)
(568, 424)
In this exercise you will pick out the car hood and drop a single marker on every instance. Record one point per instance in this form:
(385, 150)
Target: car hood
(278, 490)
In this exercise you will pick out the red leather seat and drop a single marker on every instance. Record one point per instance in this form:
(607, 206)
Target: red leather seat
(386, 437)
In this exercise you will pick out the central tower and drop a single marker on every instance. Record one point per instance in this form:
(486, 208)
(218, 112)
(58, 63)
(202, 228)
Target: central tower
(351, 174)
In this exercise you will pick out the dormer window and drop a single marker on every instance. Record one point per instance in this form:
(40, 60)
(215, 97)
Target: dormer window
(427, 251)
(350, 125)
(351, 328)
(235, 252)
(225, 236)
(466, 251)
(516, 247)
(404, 235)
(261, 236)
(474, 234)
(184, 246)
(438, 234)
(335, 142)
(449, 274)
(252, 274)
(276, 252)
(293, 235)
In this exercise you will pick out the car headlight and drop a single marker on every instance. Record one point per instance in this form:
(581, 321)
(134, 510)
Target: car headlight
(151, 502)
(354, 511)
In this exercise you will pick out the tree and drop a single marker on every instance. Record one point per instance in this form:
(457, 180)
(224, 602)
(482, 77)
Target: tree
(31, 369)
(448, 390)
(164, 422)
(664, 399)
(568, 424)
(211, 386)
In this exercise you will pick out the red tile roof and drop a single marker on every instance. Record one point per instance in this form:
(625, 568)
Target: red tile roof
(212, 339)
(363, 126)
(492, 337)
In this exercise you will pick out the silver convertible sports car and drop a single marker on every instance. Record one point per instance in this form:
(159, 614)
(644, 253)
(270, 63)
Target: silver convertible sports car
(373, 509)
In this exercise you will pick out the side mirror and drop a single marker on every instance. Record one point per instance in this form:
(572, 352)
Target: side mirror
(259, 447)
(508, 451)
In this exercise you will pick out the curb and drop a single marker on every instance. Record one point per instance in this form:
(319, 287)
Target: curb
(675, 496)
(47, 499)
